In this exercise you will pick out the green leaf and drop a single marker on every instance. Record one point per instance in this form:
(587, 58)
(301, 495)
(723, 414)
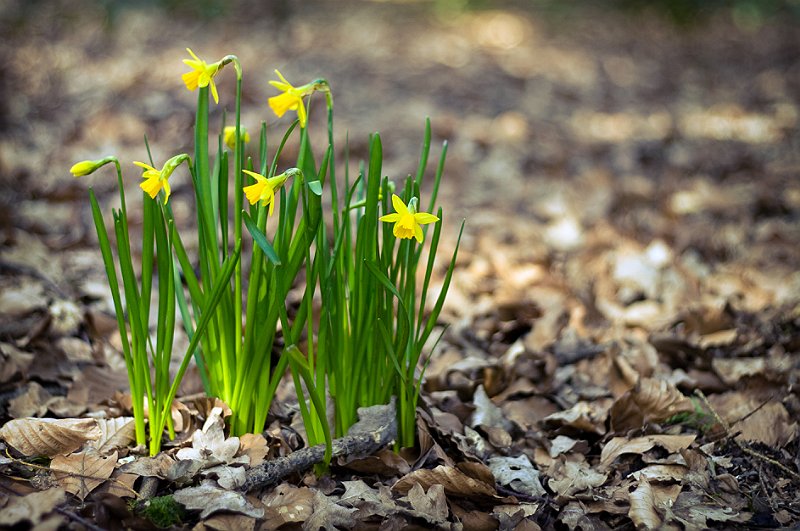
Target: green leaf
(260, 239)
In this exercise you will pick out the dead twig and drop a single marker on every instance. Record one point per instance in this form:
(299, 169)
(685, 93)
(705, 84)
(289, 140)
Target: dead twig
(376, 428)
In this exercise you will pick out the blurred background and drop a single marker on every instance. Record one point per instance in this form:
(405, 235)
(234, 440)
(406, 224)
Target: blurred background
(580, 133)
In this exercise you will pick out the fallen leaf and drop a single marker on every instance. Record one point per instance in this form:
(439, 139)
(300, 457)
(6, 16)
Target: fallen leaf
(225, 522)
(651, 400)
(329, 515)
(430, 505)
(287, 504)
(254, 446)
(31, 507)
(569, 477)
(455, 482)
(622, 445)
(209, 499)
(768, 423)
(583, 416)
(115, 434)
(31, 403)
(48, 437)
(518, 473)
(81, 473)
(209, 445)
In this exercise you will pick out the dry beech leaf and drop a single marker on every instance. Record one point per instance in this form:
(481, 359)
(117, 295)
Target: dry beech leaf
(224, 522)
(115, 434)
(48, 437)
(651, 400)
(209, 499)
(455, 482)
(431, 505)
(518, 473)
(583, 416)
(210, 446)
(30, 508)
(569, 477)
(287, 504)
(329, 515)
(253, 445)
(622, 445)
(31, 403)
(81, 473)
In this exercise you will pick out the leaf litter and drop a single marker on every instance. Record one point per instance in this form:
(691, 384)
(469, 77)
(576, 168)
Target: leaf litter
(621, 344)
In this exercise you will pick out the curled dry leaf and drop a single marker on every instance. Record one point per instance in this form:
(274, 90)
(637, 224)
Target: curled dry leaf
(287, 504)
(570, 477)
(622, 445)
(81, 473)
(48, 437)
(518, 473)
(454, 481)
(329, 515)
(651, 400)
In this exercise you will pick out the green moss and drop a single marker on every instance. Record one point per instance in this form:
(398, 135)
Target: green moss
(163, 511)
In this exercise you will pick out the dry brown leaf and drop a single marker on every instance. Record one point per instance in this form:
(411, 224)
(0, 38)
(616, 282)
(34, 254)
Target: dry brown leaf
(32, 403)
(622, 445)
(253, 445)
(120, 484)
(209, 499)
(329, 515)
(651, 400)
(81, 473)
(569, 477)
(455, 482)
(13, 362)
(518, 473)
(768, 423)
(225, 522)
(643, 512)
(430, 505)
(210, 446)
(287, 504)
(583, 416)
(48, 437)
(115, 434)
(31, 507)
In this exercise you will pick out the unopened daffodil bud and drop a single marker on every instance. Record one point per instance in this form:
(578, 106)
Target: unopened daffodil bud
(229, 135)
(85, 167)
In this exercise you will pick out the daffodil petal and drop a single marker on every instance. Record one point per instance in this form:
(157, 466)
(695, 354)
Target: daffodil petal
(151, 187)
(167, 190)
(143, 165)
(398, 205)
(214, 91)
(423, 218)
(257, 176)
(418, 233)
(253, 192)
(390, 218)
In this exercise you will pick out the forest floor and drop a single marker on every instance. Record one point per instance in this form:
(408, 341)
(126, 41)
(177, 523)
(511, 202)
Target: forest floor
(623, 327)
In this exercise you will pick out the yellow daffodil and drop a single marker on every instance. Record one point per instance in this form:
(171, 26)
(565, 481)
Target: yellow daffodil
(155, 180)
(202, 74)
(229, 133)
(265, 188)
(407, 221)
(292, 97)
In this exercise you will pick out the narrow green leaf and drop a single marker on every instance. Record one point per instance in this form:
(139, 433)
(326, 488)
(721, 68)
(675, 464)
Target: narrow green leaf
(260, 239)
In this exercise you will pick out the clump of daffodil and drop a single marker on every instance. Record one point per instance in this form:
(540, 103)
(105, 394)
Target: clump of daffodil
(201, 75)
(407, 221)
(229, 134)
(264, 189)
(155, 180)
(292, 97)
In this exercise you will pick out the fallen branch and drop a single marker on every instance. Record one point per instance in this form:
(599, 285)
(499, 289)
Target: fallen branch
(376, 428)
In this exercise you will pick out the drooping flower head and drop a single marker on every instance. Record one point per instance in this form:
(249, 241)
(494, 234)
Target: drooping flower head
(201, 75)
(155, 180)
(407, 221)
(264, 189)
(229, 134)
(292, 97)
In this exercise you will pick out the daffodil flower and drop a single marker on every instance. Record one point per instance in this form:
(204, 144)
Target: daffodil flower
(155, 180)
(407, 221)
(265, 188)
(292, 97)
(229, 134)
(202, 74)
